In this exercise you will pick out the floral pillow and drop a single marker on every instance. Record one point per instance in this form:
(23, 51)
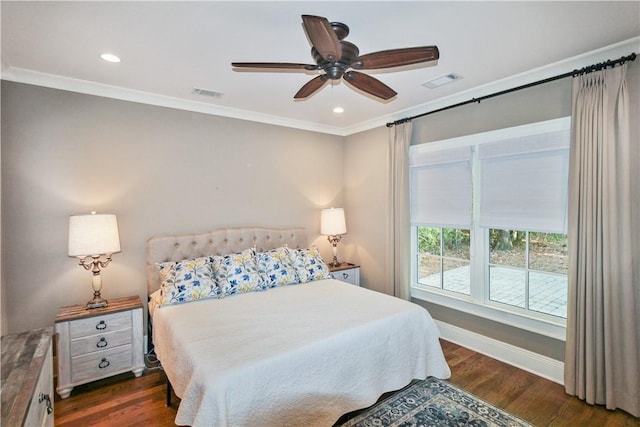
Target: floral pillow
(187, 280)
(308, 264)
(238, 273)
(276, 268)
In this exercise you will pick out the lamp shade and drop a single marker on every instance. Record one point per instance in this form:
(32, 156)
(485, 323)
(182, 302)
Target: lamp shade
(94, 234)
(332, 222)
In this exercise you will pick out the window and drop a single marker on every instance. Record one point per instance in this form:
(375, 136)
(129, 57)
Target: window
(444, 258)
(488, 214)
(529, 270)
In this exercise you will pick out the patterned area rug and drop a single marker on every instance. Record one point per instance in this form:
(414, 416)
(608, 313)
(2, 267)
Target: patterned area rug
(433, 402)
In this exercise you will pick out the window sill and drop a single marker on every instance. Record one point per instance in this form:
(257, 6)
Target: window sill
(464, 303)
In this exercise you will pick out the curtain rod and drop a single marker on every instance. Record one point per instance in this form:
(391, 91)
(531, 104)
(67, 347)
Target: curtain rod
(574, 73)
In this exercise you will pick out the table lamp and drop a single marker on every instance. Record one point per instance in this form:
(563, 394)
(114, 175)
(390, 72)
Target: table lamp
(90, 238)
(332, 224)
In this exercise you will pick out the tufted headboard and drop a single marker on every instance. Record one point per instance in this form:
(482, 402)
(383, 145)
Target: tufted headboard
(217, 242)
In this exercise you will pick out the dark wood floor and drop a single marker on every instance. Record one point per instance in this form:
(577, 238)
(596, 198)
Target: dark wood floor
(128, 401)
(536, 400)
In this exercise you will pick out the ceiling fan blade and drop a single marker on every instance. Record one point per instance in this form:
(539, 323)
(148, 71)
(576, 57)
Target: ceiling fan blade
(311, 87)
(369, 85)
(396, 57)
(322, 37)
(280, 65)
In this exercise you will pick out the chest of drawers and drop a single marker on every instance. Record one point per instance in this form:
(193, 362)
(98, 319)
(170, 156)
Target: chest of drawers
(27, 379)
(98, 343)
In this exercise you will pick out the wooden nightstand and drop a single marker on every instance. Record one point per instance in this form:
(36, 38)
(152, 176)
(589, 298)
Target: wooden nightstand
(346, 272)
(98, 343)
(27, 379)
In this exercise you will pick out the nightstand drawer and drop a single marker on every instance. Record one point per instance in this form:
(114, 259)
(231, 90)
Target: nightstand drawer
(101, 364)
(100, 324)
(346, 272)
(85, 345)
(350, 276)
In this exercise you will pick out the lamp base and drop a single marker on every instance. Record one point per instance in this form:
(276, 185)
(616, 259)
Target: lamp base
(97, 302)
(334, 240)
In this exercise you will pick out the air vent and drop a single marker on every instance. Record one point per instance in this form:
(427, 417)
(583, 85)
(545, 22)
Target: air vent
(440, 81)
(206, 92)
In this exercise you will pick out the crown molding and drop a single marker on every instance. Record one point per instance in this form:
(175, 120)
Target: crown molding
(54, 81)
(22, 75)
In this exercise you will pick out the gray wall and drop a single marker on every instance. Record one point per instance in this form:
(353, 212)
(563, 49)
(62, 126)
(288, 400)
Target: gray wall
(543, 102)
(162, 171)
(366, 190)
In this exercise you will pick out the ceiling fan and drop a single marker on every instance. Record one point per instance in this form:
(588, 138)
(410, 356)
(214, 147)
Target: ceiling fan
(340, 59)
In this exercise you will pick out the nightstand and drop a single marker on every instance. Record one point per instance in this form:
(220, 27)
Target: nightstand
(98, 343)
(27, 379)
(346, 272)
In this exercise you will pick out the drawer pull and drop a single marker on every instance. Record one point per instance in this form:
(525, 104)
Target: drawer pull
(101, 325)
(102, 343)
(46, 398)
(345, 275)
(104, 363)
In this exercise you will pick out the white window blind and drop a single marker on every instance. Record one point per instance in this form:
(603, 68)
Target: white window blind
(441, 187)
(524, 182)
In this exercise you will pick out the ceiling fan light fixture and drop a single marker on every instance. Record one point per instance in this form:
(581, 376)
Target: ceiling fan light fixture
(441, 81)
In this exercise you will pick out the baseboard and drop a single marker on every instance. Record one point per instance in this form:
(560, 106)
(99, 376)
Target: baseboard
(529, 361)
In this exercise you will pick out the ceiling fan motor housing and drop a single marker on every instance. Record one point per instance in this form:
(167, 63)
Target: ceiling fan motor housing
(335, 69)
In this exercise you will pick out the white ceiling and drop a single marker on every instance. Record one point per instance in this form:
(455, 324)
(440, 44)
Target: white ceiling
(168, 48)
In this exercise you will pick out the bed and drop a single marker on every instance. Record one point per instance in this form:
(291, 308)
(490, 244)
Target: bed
(299, 354)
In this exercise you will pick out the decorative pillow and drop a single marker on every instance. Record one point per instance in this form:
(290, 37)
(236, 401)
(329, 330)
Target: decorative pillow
(187, 280)
(308, 264)
(275, 267)
(237, 273)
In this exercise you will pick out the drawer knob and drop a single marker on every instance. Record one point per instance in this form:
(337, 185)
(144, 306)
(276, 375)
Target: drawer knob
(345, 275)
(101, 325)
(46, 398)
(102, 343)
(104, 363)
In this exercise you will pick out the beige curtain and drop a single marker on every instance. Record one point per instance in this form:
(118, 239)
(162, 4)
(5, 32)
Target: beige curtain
(602, 363)
(399, 219)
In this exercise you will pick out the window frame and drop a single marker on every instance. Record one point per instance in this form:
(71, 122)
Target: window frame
(478, 302)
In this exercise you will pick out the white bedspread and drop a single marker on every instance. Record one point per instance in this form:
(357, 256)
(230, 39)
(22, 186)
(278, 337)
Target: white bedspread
(300, 355)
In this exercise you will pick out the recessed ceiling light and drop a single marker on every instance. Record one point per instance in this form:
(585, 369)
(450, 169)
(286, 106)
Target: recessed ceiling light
(338, 110)
(440, 81)
(109, 57)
